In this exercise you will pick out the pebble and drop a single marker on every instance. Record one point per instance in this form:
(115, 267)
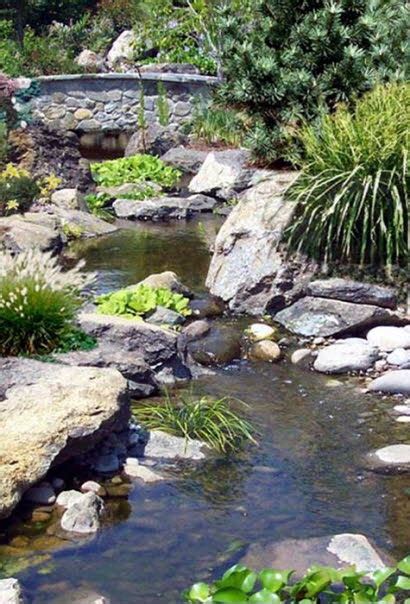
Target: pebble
(260, 331)
(90, 486)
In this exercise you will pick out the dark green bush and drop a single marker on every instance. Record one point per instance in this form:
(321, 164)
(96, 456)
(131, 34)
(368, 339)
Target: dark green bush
(352, 196)
(292, 60)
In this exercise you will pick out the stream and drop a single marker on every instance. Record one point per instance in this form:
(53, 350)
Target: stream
(306, 478)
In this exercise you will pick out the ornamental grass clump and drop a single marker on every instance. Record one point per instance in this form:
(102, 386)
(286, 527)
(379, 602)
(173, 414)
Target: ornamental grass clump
(206, 419)
(38, 302)
(352, 196)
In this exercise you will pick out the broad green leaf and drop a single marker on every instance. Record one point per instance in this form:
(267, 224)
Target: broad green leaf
(380, 576)
(388, 599)
(230, 594)
(403, 582)
(199, 591)
(404, 565)
(274, 579)
(264, 597)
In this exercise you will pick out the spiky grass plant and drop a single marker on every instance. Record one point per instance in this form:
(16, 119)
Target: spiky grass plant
(206, 419)
(214, 124)
(38, 302)
(352, 196)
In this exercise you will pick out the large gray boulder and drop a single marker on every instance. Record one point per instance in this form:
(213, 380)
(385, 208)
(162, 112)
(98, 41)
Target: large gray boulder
(391, 459)
(83, 515)
(167, 446)
(154, 139)
(87, 224)
(185, 159)
(353, 291)
(20, 233)
(121, 52)
(248, 269)
(50, 413)
(392, 382)
(352, 354)
(389, 338)
(163, 208)
(223, 174)
(10, 592)
(70, 199)
(316, 317)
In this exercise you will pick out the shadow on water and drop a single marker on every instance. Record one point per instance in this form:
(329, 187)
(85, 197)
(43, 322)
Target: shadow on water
(305, 478)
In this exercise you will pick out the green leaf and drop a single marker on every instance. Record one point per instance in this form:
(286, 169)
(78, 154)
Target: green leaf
(403, 582)
(199, 591)
(230, 594)
(404, 565)
(380, 576)
(274, 579)
(264, 597)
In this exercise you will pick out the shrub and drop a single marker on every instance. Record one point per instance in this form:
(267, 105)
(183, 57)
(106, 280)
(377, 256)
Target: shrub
(215, 124)
(141, 300)
(98, 204)
(211, 421)
(351, 198)
(319, 584)
(287, 60)
(138, 168)
(17, 190)
(38, 302)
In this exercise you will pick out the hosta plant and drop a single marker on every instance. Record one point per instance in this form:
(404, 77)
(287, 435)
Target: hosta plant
(212, 421)
(38, 302)
(320, 584)
(352, 195)
(140, 301)
(138, 168)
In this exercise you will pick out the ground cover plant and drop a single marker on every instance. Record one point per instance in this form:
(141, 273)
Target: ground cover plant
(141, 300)
(287, 61)
(38, 303)
(212, 421)
(319, 584)
(352, 196)
(135, 169)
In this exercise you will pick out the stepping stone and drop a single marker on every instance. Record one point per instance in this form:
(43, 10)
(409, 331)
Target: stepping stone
(393, 382)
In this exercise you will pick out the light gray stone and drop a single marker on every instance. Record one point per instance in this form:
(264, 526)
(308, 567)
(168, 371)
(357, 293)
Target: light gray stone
(89, 60)
(31, 231)
(266, 350)
(133, 469)
(89, 125)
(393, 382)
(88, 224)
(10, 592)
(83, 517)
(90, 486)
(393, 457)
(165, 316)
(70, 199)
(260, 331)
(312, 317)
(163, 445)
(222, 173)
(248, 270)
(399, 357)
(122, 49)
(159, 209)
(353, 291)
(300, 356)
(185, 159)
(168, 280)
(388, 338)
(346, 355)
(68, 498)
(196, 330)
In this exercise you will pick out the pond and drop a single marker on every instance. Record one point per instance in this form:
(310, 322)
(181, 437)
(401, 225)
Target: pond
(306, 477)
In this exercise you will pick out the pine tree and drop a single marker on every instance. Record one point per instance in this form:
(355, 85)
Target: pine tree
(294, 60)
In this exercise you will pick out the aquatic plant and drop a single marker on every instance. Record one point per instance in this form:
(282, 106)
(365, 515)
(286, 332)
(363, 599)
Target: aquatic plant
(319, 584)
(138, 168)
(209, 420)
(98, 204)
(141, 300)
(38, 302)
(351, 197)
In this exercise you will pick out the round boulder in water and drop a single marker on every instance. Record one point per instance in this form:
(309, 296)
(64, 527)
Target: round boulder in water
(388, 338)
(260, 331)
(220, 347)
(266, 350)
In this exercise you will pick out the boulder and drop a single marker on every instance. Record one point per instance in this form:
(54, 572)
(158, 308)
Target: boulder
(223, 174)
(68, 498)
(220, 346)
(165, 316)
(87, 224)
(156, 346)
(83, 516)
(70, 199)
(353, 291)
(185, 159)
(302, 356)
(90, 486)
(399, 357)
(207, 306)
(392, 382)
(90, 61)
(352, 354)
(159, 209)
(166, 446)
(266, 350)
(117, 191)
(314, 317)
(10, 592)
(140, 376)
(133, 469)
(122, 50)
(391, 459)
(260, 331)
(248, 269)
(168, 280)
(50, 413)
(338, 551)
(196, 330)
(155, 139)
(388, 338)
(21, 233)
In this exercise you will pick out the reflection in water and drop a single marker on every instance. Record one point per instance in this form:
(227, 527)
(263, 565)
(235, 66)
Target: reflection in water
(306, 478)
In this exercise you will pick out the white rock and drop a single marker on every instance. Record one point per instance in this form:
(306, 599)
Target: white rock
(70, 199)
(300, 355)
(392, 382)
(42, 494)
(84, 515)
(141, 472)
(380, 365)
(403, 409)
(266, 351)
(403, 419)
(388, 338)
(90, 486)
(349, 355)
(399, 356)
(355, 549)
(68, 498)
(10, 592)
(167, 446)
(260, 331)
(394, 454)
(222, 171)
(90, 60)
(122, 49)
(132, 461)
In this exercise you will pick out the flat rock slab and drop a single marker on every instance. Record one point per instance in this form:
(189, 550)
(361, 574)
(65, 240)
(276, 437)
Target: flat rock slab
(163, 208)
(50, 413)
(313, 317)
(393, 458)
(21, 233)
(300, 554)
(166, 446)
(353, 291)
(352, 354)
(392, 382)
(88, 224)
(185, 159)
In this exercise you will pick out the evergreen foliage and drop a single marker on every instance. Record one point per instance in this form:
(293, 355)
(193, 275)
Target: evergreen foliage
(294, 60)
